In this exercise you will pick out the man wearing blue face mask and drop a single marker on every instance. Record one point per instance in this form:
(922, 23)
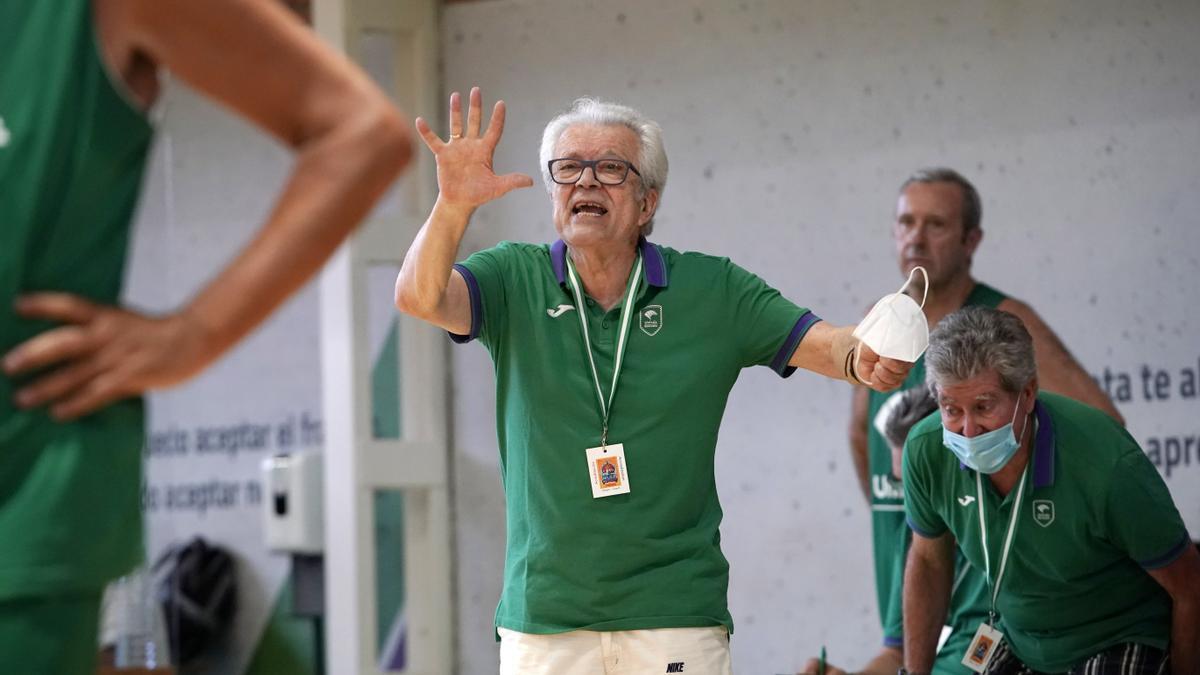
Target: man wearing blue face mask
(990, 450)
(1089, 567)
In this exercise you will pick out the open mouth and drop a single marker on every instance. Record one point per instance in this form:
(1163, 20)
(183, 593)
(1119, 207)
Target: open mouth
(588, 209)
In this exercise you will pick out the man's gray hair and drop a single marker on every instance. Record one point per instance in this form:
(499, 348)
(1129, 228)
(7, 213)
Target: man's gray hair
(972, 208)
(974, 340)
(652, 156)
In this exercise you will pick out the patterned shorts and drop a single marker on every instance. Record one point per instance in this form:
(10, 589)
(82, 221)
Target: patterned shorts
(1123, 659)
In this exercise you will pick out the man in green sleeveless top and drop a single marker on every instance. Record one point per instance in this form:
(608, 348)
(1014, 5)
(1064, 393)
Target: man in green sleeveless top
(937, 226)
(76, 78)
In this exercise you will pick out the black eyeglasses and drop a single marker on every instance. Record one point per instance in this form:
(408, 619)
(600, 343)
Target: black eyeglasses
(567, 171)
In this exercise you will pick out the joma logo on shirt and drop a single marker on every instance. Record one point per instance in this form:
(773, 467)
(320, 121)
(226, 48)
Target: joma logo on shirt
(675, 667)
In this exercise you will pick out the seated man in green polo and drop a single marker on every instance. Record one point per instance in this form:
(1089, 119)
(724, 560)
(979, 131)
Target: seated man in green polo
(1088, 564)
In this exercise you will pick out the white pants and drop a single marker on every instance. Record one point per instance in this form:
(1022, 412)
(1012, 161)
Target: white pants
(692, 651)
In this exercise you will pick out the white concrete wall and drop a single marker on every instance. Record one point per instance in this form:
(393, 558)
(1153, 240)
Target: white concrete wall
(210, 183)
(789, 126)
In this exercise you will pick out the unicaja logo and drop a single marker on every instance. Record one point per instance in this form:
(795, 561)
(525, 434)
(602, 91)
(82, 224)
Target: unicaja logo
(884, 487)
(1043, 512)
(651, 319)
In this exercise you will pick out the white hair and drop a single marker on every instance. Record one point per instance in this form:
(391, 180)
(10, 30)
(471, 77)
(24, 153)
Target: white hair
(652, 156)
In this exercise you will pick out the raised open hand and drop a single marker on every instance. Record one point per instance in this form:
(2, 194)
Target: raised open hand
(464, 162)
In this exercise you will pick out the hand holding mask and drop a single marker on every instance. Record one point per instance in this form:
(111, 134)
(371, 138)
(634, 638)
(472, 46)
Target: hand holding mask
(896, 328)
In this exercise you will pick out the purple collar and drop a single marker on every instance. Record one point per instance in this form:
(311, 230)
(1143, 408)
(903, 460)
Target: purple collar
(654, 266)
(1043, 448)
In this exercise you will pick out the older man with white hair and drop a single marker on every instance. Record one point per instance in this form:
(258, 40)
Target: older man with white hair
(614, 359)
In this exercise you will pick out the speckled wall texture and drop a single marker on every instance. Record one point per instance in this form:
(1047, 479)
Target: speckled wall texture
(789, 126)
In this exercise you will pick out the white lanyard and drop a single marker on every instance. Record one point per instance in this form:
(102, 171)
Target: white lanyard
(622, 339)
(1008, 538)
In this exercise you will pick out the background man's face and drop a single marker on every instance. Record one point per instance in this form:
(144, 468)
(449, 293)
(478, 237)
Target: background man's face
(588, 213)
(928, 231)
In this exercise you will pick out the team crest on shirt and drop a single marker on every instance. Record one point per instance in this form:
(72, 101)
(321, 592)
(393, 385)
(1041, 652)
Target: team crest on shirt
(1043, 512)
(5, 135)
(651, 319)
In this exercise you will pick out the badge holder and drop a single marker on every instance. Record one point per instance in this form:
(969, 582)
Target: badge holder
(987, 639)
(606, 464)
(983, 648)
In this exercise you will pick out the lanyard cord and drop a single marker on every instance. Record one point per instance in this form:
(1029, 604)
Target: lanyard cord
(1008, 538)
(622, 339)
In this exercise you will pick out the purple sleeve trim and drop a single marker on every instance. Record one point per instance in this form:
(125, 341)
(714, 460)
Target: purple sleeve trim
(1169, 557)
(780, 363)
(892, 641)
(928, 535)
(476, 306)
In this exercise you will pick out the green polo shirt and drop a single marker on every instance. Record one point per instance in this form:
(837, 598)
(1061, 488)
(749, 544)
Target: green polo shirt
(891, 536)
(72, 153)
(651, 558)
(1094, 517)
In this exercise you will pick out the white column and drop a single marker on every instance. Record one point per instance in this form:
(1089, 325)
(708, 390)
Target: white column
(356, 463)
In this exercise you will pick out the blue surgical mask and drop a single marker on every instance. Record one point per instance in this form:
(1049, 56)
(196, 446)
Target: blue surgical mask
(987, 452)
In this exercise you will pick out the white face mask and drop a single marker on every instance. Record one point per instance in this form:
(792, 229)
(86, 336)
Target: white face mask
(895, 327)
